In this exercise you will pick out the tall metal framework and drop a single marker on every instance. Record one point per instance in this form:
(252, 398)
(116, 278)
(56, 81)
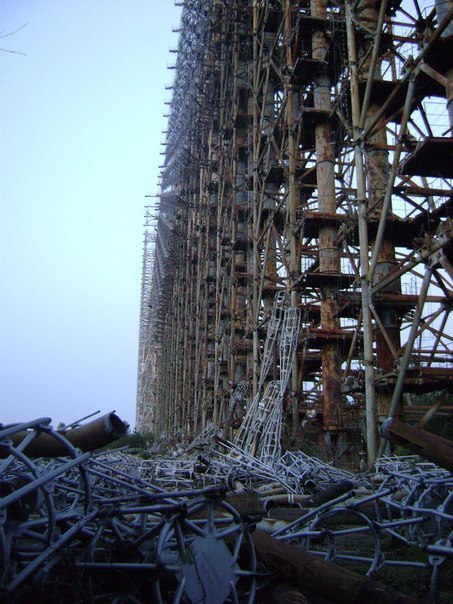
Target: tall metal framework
(309, 151)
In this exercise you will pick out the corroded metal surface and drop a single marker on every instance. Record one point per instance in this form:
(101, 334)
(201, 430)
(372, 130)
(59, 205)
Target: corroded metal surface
(88, 437)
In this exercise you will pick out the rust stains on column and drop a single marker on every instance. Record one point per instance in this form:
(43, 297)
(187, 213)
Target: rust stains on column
(329, 255)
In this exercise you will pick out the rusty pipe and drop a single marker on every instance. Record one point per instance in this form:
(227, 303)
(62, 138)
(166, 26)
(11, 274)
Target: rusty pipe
(93, 435)
(321, 577)
(289, 499)
(288, 593)
(434, 448)
(284, 500)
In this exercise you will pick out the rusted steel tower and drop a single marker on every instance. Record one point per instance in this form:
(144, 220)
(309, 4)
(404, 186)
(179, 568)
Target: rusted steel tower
(309, 150)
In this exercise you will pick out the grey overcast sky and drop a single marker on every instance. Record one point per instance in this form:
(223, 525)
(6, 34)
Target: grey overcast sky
(81, 115)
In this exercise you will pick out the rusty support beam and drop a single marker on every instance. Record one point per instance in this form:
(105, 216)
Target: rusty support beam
(434, 448)
(321, 577)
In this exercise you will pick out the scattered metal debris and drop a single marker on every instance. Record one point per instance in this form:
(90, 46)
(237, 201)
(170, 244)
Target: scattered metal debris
(95, 513)
(183, 528)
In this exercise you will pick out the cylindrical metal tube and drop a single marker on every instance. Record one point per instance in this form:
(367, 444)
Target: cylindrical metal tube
(90, 436)
(325, 579)
(436, 449)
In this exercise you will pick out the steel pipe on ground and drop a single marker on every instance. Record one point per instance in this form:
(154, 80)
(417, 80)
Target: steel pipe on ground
(93, 435)
(321, 577)
(436, 449)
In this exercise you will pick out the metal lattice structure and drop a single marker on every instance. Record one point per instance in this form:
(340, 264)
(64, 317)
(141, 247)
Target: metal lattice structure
(309, 157)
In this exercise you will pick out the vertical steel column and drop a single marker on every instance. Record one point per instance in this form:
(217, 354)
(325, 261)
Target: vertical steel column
(368, 355)
(395, 402)
(293, 199)
(444, 10)
(329, 254)
(378, 174)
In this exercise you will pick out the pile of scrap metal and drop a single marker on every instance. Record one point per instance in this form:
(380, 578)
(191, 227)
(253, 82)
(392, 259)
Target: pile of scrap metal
(75, 522)
(395, 521)
(216, 524)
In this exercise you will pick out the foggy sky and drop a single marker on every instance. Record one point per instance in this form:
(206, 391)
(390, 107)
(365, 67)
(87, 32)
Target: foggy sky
(81, 120)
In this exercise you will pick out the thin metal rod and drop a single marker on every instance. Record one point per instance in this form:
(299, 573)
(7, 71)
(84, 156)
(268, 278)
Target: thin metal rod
(408, 349)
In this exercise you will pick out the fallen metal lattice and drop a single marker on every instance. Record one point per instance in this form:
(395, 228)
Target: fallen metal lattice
(166, 527)
(86, 513)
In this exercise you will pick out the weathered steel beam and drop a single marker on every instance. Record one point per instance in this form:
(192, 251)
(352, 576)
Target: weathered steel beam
(288, 593)
(323, 578)
(423, 443)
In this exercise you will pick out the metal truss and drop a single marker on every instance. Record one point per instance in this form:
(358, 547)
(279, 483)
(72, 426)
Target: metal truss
(308, 155)
(261, 429)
